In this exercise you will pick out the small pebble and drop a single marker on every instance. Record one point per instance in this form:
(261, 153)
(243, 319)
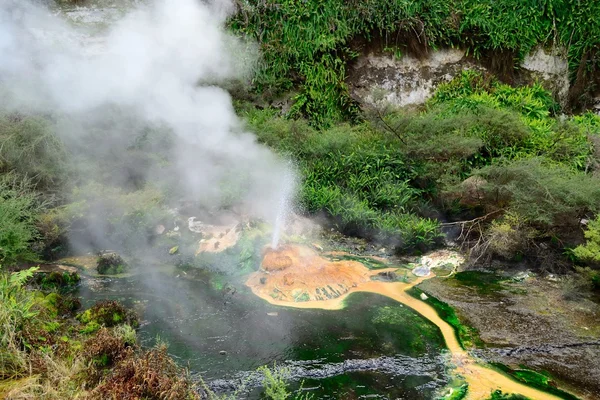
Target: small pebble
(223, 353)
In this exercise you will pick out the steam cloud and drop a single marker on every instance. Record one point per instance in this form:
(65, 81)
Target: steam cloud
(155, 67)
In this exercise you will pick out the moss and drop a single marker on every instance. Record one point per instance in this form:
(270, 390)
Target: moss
(457, 393)
(498, 395)
(484, 282)
(107, 313)
(111, 264)
(90, 327)
(422, 333)
(467, 336)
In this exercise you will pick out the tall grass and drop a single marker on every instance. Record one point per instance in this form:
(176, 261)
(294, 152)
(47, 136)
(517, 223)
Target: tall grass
(20, 209)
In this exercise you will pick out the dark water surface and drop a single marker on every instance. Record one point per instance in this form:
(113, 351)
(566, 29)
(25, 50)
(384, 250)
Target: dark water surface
(374, 348)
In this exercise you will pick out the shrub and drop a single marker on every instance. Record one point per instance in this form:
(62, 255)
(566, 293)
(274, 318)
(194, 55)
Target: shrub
(507, 237)
(590, 251)
(111, 264)
(19, 211)
(30, 147)
(17, 307)
(152, 374)
(542, 192)
(356, 175)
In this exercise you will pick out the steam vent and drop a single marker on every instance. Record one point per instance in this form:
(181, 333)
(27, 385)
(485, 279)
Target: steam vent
(295, 273)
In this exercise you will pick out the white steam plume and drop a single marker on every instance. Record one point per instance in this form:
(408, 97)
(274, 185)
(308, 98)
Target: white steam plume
(158, 65)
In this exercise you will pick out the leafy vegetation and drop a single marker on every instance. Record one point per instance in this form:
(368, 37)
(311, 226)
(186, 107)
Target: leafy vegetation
(45, 352)
(590, 251)
(306, 46)
(356, 175)
(381, 178)
(19, 210)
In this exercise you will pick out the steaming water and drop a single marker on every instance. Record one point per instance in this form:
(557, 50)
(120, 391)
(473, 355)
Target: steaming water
(287, 190)
(339, 354)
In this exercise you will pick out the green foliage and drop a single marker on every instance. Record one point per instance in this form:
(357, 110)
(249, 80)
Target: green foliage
(29, 147)
(514, 122)
(307, 45)
(274, 382)
(60, 281)
(356, 175)
(275, 386)
(20, 208)
(542, 192)
(108, 314)
(127, 334)
(508, 236)
(590, 251)
(17, 307)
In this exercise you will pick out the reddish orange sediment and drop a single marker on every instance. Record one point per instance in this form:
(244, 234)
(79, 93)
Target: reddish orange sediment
(295, 276)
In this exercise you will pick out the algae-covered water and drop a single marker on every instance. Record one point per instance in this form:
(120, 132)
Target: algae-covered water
(374, 347)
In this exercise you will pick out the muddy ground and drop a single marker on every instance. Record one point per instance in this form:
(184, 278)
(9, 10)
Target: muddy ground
(529, 322)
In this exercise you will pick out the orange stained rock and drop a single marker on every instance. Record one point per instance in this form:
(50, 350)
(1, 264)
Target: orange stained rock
(291, 275)
(293, 272)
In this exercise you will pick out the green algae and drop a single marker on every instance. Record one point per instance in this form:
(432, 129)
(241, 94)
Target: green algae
(467, 336)
(540, 380)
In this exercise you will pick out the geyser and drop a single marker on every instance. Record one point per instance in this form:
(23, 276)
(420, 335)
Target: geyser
(284, 205)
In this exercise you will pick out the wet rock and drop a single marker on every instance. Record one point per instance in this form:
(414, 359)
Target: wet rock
(110, 263)
(299, 370)
(160, 229)
(421, 271)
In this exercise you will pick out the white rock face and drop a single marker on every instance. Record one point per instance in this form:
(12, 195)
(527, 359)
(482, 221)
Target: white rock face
(378, 79)
(551, 69)
(382, 79)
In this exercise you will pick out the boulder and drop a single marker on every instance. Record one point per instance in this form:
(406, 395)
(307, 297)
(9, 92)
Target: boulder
(110, 263)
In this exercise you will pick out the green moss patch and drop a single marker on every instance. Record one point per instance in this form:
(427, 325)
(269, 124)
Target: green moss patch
(539, 380)
(467, 336)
